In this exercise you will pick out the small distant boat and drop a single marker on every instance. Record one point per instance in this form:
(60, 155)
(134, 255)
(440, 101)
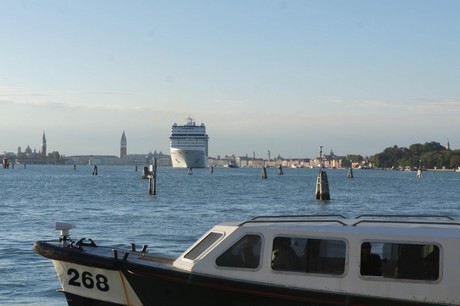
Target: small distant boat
(231, 164)
(273, 260)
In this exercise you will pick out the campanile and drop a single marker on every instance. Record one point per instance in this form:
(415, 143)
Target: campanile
(123, 146)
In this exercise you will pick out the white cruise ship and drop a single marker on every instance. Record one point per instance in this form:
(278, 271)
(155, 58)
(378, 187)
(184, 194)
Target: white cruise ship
(189, 145)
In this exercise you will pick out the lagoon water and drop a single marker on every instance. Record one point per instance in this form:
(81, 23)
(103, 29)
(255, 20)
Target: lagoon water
(114, 208)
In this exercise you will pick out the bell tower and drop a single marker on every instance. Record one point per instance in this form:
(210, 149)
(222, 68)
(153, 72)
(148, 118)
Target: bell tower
(123, 146)
(43, 149)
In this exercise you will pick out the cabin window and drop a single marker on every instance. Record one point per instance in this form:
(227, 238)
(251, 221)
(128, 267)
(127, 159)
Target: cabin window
(203, 245)
(243, 254)
(323, 256)
(400, 260)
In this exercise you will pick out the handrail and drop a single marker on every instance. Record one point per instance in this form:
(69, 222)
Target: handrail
(299, 216)
(330, 218)
(293, 221)
(404, 216)
(406, 222)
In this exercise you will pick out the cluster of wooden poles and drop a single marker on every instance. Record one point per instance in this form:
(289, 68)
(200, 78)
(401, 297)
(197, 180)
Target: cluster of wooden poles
(322, 184)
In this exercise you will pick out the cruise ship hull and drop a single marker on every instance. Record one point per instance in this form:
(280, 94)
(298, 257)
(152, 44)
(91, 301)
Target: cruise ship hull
(189, 158)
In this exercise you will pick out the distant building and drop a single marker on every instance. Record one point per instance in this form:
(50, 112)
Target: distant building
(447, 145)
(43, 151)
(147, 159)
(327, 160)
(123, 146)
(93, 160)
(30, 156)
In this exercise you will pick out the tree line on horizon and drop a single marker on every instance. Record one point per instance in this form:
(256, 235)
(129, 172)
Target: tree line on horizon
(430, 155)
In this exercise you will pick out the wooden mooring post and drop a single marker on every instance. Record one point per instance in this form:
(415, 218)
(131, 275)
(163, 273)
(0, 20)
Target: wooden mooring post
(419, 171)
(5, 163)
(190, 171)
(280, 170)
(264, 172)
(152, 176)
(350, 172)
(322, 186)
(145, 172)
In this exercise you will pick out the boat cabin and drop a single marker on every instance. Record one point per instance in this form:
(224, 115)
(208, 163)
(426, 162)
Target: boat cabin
(410, 258)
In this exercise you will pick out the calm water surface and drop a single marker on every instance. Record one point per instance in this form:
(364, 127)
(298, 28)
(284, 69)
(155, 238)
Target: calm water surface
(114, 208)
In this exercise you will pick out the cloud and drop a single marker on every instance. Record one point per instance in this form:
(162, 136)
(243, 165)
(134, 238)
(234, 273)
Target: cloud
(40, 100)
(443, 107)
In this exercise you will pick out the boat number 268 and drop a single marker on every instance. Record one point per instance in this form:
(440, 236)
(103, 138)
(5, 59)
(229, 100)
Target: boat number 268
(88, 280)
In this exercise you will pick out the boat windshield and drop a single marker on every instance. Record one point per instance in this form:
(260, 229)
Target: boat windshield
(203, 245)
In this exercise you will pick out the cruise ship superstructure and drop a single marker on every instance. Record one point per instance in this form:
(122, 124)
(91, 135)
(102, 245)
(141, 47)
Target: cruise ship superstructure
(189, 145)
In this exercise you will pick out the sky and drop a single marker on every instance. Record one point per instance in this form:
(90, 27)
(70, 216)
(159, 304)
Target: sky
(353, 76)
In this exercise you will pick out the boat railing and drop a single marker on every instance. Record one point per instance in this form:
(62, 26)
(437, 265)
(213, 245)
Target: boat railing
(300, 216)
(419, 216)
(406, 222)
(342, 220)
(407, 219)
(297, 219)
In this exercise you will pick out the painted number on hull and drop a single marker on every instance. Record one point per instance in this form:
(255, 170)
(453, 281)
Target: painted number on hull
(88, 280)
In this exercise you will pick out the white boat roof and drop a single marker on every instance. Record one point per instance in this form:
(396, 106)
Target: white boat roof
(392, 225)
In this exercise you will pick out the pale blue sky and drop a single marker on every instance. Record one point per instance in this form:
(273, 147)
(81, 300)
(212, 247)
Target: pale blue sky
(285, 76)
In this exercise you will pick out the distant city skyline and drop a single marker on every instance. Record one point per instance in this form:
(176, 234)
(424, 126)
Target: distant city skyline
(123, 150)
(280, 75)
